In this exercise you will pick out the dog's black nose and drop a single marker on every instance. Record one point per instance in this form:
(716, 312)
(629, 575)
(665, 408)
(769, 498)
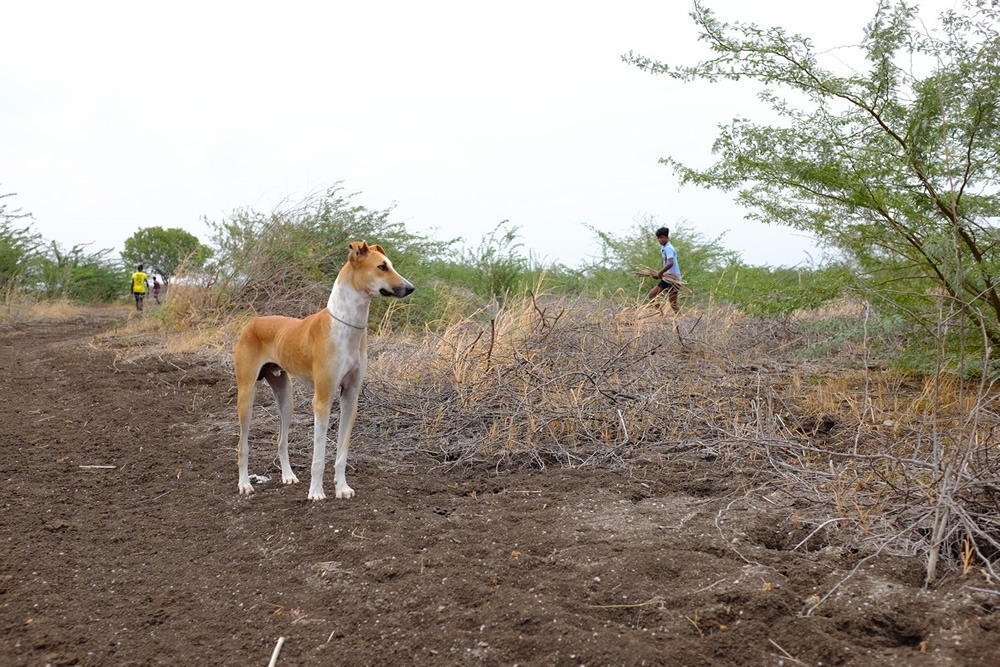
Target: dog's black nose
(399, 292)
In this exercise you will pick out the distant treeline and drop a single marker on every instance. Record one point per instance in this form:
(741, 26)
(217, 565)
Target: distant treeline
(287, 259)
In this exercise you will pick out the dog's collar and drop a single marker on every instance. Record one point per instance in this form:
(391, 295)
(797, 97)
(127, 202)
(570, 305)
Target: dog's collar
(353, 326)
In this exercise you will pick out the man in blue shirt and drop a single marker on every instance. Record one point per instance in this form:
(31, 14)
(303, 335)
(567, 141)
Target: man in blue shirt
(670, 275)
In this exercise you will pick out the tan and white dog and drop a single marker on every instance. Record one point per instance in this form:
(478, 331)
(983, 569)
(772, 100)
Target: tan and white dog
(328, 349)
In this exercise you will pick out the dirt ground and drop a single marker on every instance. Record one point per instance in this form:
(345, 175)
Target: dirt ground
(125, 542)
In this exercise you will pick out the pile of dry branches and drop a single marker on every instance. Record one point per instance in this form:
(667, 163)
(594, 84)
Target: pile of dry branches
(541, 382)
(895, 465)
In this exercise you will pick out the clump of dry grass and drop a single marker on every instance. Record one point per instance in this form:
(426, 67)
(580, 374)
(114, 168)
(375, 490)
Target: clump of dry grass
(844, 307)
(182, 324)
(19, 307)
(188, 305)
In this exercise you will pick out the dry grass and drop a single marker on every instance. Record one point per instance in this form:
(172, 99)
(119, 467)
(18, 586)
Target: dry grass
(20, 308)
(853, 456)
(845, 307)
(570, 383)
(182, 324)
(885, 462)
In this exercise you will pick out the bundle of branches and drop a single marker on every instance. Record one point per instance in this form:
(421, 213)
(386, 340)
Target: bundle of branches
(647, 272)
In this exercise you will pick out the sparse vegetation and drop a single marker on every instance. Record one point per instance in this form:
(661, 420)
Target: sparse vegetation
(865, 457)
(782, 375)
(19, 248)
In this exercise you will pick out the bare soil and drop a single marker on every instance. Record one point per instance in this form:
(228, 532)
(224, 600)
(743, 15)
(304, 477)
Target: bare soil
(125, 542)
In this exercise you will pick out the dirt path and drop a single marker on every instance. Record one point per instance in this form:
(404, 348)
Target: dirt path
(126, 543)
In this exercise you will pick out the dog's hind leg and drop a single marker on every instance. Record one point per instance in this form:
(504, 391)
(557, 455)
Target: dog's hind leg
(281, 385)
(246, 380)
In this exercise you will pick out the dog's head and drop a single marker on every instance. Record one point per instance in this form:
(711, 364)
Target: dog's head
(372, 272)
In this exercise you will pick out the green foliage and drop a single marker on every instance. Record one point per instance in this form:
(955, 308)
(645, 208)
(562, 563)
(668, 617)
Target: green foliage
(28, 265)
(880, 333)
(897, 165)
(700, 259)
(765, 291)
(19, 248)
(620, 255)
(79, 276)
(494, 268)
(164, 251)
(285, 261)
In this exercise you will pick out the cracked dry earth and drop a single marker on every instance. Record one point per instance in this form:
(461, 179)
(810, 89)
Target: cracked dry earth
(125, 543)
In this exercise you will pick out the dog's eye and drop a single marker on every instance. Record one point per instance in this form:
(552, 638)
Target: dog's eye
(383, 267)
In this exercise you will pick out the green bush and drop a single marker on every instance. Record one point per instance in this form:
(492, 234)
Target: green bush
(19, 249)
(80, 276)
(496, 267)
(285, 261)
(766, 291)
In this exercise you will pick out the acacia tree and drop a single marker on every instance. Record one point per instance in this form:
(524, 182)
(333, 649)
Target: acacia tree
(896, 164)
(77, 274)
(286, 260)
(163, 251)
(19, 247)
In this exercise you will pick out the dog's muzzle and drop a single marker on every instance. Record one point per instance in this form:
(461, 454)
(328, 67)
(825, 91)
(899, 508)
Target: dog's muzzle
(400, 292)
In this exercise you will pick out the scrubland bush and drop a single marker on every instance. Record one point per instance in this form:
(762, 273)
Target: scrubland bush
(866, 459)
(78, 275)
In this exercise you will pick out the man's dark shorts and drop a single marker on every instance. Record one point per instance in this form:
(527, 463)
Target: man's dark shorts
(668, 286)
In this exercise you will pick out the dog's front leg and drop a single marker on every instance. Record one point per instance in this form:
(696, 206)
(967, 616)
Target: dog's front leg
(322, 401)
(348, 413)
(320, 424)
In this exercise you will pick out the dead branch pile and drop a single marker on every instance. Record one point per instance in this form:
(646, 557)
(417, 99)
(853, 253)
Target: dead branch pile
(543, 382)
(855, 456)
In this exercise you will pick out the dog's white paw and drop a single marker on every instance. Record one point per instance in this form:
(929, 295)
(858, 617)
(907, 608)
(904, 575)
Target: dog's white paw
(345, 492)
(316, 494)
(289, 479)
(246, 488)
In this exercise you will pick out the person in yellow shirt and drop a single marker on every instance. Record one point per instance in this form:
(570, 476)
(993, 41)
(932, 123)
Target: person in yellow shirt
(139, 287)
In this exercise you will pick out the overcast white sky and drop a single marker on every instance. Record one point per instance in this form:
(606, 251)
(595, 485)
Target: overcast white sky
(120, 115)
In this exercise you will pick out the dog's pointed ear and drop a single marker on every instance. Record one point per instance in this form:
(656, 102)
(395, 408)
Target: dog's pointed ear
(358, 249)
(378, 248)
